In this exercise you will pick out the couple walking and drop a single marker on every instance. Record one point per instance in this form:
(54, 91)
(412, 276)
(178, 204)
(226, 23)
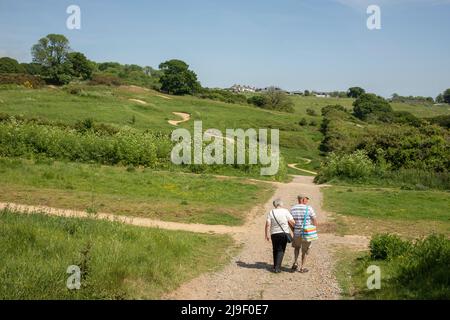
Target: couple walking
(302, 220)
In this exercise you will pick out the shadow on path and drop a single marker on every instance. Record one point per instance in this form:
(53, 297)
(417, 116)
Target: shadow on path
(260, 266)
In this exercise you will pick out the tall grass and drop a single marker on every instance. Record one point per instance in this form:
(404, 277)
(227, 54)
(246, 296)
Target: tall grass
(409, 269)
(116, 261)
(126, 147)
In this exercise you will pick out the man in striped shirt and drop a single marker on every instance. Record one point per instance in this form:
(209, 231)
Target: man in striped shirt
(298, 213)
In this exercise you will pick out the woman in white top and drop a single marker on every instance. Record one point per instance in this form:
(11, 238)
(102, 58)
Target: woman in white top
(279, 222)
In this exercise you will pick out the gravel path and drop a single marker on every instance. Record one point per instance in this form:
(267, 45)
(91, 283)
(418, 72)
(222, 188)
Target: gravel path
(247, 276)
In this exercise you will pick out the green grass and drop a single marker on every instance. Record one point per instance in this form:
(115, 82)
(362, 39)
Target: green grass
(117, 261)
(165, 195)
(422, 111)
(367, 211)
(112, 106)
(389, 203)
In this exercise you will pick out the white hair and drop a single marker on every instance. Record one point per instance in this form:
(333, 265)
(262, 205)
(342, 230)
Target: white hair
(277, 203)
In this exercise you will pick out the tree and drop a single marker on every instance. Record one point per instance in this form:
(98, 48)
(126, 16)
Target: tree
(10, 65)
(440, 98)
(446, 96)
(34, 69)
(177, 78)
(278, 100)
(369, 105)
(81, 66)
(355, 92)
(307, 93)
(51, 52)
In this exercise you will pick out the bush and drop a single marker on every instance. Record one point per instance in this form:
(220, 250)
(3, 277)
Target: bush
(26, 80)
(10, 65)
(387, 247)
(103, 79)
(424, 272)
(126, 147)
(442, 120)
(222, 95)
(336, 107)
(370, 107)
(303, 122)
(74, 89)
(407, 147)
(411, 269)
(356, 165)
(257, 100)
(311, 112)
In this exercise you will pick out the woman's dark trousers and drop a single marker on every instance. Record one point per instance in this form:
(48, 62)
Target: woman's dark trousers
(279, 242)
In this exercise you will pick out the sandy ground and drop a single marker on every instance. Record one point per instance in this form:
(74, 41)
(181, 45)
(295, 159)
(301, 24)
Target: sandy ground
(138, 101)
(137, 221)
(184, 116)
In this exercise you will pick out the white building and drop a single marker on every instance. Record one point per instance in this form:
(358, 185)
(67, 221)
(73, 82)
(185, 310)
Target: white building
(240, 88)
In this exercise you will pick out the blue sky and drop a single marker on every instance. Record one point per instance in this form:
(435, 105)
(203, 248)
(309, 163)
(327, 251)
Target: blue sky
(310, 44)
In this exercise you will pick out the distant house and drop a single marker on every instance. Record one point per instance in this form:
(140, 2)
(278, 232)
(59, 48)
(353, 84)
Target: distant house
(240, 88)
(321, 95)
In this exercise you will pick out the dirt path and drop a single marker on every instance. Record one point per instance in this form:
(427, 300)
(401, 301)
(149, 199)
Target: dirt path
(137, 221)
(248, 277)
(294, 166)
(184, 116)
(138, 101)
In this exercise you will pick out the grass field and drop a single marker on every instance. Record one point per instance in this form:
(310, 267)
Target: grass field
(111, 105)
(116, 261)
(163, 195)
(371, 210)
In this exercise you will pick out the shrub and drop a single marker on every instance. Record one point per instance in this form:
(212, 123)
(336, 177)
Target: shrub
(387, 247)
(303, 122)
(26, 80)
(424, 271)
(311, 112)
(257, 100)
(103, 79)
(222, 95)
(442, 120)
(126, 147)
(407, 147)
(415, 269)
(10, 65)
(356, 165)
(313, 123)
(74, 89)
